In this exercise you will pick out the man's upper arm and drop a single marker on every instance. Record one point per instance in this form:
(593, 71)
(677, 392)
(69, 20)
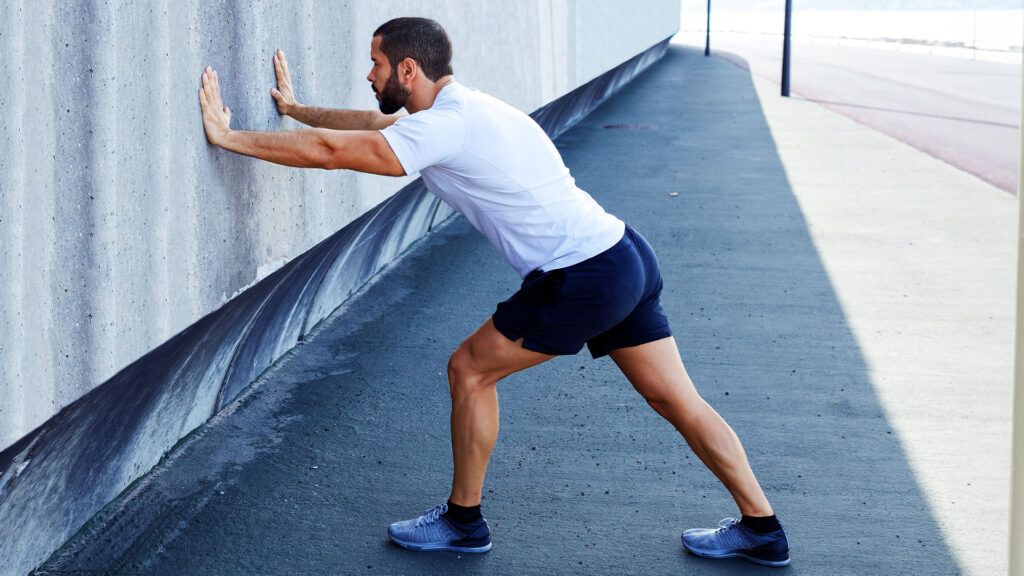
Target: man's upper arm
(426, 138)
(360, 150)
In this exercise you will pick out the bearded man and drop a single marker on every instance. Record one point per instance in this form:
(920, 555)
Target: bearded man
(588, 278)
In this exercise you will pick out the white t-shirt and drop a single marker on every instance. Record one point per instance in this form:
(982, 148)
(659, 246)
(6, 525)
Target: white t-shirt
(497, 167)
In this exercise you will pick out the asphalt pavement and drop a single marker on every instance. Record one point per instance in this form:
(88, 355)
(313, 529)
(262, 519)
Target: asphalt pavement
(844, 300)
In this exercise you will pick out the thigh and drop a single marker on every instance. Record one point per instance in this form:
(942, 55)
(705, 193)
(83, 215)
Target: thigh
(491, 352)
(656, 370)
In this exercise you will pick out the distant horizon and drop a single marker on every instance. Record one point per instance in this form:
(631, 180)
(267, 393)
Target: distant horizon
(852, 5)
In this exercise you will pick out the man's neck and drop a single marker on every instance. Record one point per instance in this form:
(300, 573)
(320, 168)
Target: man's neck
(426, 99)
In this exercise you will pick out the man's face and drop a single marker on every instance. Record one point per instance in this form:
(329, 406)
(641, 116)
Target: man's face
(391, 95)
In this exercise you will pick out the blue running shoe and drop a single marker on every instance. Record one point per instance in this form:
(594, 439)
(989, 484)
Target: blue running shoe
(434, 531)
(733, 540)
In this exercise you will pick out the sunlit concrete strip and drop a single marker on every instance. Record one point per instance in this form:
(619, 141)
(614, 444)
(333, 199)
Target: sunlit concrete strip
(922, 261)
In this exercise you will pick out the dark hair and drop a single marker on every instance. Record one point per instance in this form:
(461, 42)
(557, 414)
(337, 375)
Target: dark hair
(421, 39)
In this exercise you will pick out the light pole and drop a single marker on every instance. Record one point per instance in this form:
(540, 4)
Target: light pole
(707, 37)
(785, 48)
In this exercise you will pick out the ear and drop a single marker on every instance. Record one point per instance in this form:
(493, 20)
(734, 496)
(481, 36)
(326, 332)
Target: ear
(408, 69)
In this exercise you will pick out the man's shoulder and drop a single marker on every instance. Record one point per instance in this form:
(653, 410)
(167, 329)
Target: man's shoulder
(449, 107)
(440, 112)
(465, 99)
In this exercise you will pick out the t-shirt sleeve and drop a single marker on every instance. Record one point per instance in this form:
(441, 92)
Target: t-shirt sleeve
(426, 138)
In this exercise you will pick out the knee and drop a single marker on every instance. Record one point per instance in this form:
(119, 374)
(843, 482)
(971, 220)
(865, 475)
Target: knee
(464, 376)
(662, 405)
(677, 406)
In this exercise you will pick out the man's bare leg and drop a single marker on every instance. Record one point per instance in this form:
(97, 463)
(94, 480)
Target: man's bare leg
(656, 371)
(474, 369)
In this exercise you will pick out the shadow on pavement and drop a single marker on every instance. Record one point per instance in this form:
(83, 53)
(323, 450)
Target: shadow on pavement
(350, 432)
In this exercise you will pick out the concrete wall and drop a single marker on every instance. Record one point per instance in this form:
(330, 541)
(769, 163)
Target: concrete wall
(146, 279)
(120, 227)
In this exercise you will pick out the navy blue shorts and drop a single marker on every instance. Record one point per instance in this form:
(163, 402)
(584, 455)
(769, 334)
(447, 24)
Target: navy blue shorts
(607, 302)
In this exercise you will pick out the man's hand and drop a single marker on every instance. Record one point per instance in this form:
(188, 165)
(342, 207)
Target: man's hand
(331, 118)
(283, 94)
(216, 116)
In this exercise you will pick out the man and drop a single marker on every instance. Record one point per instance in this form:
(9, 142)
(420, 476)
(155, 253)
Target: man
(588, 278)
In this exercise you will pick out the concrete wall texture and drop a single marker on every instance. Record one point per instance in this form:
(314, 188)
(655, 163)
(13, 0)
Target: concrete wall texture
(120, 227)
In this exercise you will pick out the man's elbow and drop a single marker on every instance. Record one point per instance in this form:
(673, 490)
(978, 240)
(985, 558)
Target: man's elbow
(393, 170)
(326, 156)
(330, 162)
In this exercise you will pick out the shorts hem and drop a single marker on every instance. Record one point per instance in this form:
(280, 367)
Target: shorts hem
(529, 343)
(630, 342)
(506, 331)
(536, 346)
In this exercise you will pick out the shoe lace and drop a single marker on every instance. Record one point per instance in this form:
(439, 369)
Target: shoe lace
(727, 524)
(431, 516)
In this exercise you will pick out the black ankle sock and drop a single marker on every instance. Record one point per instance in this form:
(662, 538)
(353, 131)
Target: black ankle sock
(761, 524)
(463, 514)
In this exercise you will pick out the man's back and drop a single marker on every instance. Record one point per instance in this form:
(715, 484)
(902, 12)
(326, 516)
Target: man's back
(497, 167)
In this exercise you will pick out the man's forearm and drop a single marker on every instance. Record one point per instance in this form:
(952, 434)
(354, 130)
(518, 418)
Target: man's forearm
(337, 119)
(360, 150)
(302, 148)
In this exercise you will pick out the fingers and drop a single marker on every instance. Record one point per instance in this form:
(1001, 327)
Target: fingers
(283, 94)
(216, 116)
(205, 93)
(278, 72)
(211, 84)
(284, 61)
(209, 94)
(208, 82)
(281, 67)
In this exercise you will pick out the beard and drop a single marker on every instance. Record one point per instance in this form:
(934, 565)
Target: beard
(393, 97)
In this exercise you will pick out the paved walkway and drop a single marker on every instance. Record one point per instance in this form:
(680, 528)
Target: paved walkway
(965, 112)
(844, 300)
